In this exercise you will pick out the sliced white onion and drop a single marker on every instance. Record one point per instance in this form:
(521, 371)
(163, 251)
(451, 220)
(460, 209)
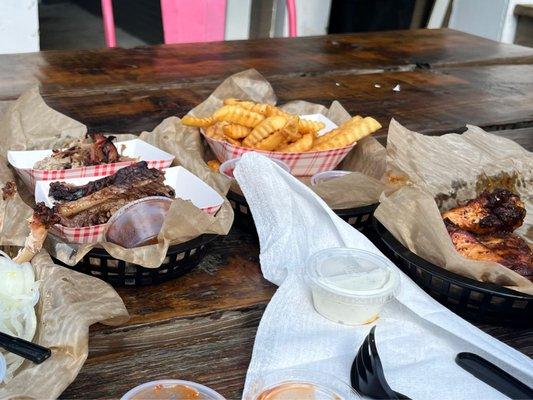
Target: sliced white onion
(19, 293)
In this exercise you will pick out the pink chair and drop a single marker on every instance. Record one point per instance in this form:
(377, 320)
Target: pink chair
(203, 21)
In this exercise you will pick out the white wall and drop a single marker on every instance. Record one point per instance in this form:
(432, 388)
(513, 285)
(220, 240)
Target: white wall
(509, 26)
(480, 17)
(492, 19)
(237, 19)
(19, 26)
(312, 17)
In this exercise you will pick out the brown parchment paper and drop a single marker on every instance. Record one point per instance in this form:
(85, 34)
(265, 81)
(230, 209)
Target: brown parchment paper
(367, 159)
(29, 124)
(70, 302)
(441, 172)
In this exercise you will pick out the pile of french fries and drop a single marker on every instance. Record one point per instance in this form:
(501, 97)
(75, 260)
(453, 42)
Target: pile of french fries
(266, 127)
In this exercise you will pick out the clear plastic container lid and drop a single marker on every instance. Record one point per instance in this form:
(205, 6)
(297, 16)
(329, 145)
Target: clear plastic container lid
(227, 167)
(353, 276)
(3, 368)
(327, 175)
(302, 385)
(138, 223)
(147, 391)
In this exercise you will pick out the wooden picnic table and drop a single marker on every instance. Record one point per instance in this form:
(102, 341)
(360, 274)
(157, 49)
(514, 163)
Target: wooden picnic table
(201, 327)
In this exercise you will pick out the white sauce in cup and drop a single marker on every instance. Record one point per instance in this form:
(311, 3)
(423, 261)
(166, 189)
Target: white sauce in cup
(351, 286)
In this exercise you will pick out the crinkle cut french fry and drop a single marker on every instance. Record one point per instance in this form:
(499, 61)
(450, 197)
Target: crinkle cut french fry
(264, 129)
(232, 141)
(190, 120)
(273, 110)
(261, 108)
(327, 136)
(236, 132)
(307, 126)
(238, 115)
(282, 145)
(214, 165)
(272, 142)
(231, 101)
(351, 134)
(215, 131)
(342, 139)
(300, 146)
(290, 130)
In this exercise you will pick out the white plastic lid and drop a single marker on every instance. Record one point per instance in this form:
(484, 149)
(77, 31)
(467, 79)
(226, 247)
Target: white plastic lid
(327, 175)
(227, 167)
(205, 392)
(353, 276)
(3, 368)
(301, 384)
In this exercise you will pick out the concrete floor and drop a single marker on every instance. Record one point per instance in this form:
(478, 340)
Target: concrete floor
(65, 26)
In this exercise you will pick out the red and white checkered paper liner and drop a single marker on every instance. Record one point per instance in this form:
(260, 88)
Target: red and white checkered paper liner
(30, 176)
(187, 186)
(300, 164)
(96, 233)
(137, 149)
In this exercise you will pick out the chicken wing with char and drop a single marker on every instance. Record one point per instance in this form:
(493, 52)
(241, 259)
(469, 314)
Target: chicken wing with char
(490, 212)
(507, 249)
(482, 230)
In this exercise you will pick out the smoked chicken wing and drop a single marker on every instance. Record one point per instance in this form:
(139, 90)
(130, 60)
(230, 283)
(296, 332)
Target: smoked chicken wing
(491, 212)
(505, 248)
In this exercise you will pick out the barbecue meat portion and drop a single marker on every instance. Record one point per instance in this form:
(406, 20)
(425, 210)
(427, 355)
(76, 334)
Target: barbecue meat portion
(42, 219)
(124, 177)
(9, 190)
(505, 248)
(102, 151)
(491, 212)
(94, 149)
(95, 202)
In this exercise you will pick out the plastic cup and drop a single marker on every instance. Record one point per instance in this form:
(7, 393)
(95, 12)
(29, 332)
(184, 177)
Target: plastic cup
(227, 167)
(143, 391)
(327, 175)
(351, 286)
(138, 223)
(301, 385)
(3, 368)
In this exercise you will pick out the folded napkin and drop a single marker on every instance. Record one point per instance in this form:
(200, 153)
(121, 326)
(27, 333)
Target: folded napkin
(417, 338)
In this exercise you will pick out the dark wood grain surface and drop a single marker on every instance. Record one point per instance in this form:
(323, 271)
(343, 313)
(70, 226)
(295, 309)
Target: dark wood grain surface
(97, 71)
(172, 335)
(429, 101)
(202, 326)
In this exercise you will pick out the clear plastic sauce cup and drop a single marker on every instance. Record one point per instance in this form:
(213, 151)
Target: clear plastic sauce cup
(227, 167)
(327, 175)
(351, 286)
(138, 223)
(172, 389)
(301, 385)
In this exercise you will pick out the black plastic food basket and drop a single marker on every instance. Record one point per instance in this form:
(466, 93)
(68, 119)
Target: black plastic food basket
(180, 259)
(476, 300)
(359, 217)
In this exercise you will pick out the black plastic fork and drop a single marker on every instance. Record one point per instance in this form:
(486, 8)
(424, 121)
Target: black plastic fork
(367, 375)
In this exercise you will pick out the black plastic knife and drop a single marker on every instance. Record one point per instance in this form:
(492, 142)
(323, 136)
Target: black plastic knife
(494, 376)
(23, 348)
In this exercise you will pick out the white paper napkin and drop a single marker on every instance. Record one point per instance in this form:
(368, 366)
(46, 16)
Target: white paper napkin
(417, 338)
